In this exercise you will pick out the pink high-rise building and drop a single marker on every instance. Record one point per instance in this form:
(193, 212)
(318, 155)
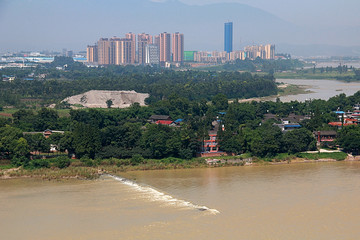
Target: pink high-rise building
(178, 47)
(121, 51)
(92, 54)
(165, 51)
(132, 37)
(104, 51)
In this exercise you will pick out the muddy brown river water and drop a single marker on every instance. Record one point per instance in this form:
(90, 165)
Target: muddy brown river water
(296, 201)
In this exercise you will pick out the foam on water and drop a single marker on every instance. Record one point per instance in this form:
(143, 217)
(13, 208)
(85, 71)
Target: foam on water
(156, 195)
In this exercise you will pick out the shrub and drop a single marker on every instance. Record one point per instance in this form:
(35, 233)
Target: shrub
(62, 162)
(20, 161)
(137, 159)
(171, 160)
(87, 161)
(39, 163)
(123, 162)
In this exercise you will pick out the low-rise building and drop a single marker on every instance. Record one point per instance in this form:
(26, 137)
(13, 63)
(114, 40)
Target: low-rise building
(286, 127)
(325, 136)
(155, 118)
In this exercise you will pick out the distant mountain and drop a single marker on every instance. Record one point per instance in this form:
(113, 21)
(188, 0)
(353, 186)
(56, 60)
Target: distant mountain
(317, 50)
(74, 24)
(52, 24)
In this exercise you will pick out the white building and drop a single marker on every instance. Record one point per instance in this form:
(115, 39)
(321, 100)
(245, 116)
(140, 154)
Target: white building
(152, 54)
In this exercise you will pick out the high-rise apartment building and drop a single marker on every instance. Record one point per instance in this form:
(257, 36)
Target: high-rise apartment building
(157, 40)
(237, 55)
(122, 51)
(178, 47)
(92, 54)
(152, 56)
(165, 51)
(132, 37)
(269, 51)
(104, 51)
(261, 51)
(228, 37)
(143, 41)
(117, 51)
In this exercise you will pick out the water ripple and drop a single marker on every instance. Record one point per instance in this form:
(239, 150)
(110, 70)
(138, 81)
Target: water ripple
(159, 196)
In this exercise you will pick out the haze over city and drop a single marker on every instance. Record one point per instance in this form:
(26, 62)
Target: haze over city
(331, 26)
(179, 119)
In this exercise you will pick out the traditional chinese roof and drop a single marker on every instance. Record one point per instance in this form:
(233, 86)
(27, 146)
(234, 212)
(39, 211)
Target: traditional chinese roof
(325, 133)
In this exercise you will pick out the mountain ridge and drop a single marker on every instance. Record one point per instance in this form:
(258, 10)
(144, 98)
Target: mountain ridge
(53, 25)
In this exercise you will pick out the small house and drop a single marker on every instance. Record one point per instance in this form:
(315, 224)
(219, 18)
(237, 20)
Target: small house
(164, 122)
(325, 136)
(155, 118)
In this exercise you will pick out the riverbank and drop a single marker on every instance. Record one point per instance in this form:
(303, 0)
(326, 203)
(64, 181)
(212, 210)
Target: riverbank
(112, 166)
(347, 76)
(284, 90)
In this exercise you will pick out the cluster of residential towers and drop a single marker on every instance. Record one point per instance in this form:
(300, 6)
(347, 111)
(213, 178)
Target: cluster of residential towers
(249, 52)
(150, 49)
(166, 49)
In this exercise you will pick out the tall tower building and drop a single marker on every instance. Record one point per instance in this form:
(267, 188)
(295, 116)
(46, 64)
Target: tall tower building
(104, 51)
(178, 47)
(165, 51)
(92, 54)
(143, 41)
(132, 37)
(228, 38)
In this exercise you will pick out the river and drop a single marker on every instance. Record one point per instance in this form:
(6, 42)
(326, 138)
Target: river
(295, 201)
(319, 89)
(292, 201)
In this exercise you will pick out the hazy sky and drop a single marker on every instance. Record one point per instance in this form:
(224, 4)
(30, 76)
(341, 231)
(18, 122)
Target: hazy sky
(304, 12)
(72, 24)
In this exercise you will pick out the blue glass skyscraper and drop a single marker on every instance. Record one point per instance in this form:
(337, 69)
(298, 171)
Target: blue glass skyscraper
(228, 39)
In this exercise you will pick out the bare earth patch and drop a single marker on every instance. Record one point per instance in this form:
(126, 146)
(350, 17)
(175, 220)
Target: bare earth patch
(98, 98)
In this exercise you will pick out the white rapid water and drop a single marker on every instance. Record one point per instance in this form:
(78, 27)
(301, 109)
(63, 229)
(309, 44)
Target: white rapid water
(156, 195)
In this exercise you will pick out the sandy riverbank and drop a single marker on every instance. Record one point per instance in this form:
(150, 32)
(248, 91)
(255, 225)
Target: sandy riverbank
(285, 90)
(83, 173)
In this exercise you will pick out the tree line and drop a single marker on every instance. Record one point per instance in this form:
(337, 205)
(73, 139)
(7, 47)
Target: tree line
(160, 83)
(127, 134)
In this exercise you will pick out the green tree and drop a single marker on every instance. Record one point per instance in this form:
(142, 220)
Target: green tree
(46, 119)
(299, 140)
(66, 143)
(21, 148)
(38, 143)
(220, 101)
(266, 141)
(349, 139)
(9, 141)
(155, 140)
(86, 140)
(109, 103)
